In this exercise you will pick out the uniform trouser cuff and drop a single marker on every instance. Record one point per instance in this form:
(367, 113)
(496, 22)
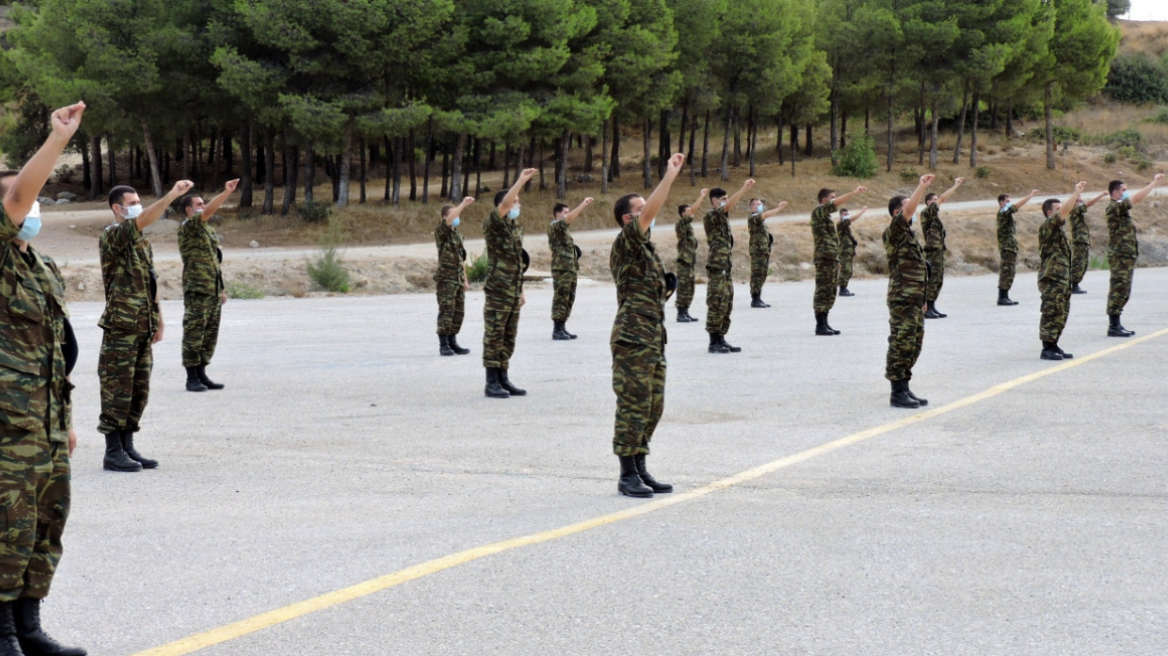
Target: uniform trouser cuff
(626, 450)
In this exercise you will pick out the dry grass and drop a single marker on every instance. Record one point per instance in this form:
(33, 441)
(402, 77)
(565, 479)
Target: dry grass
(1147, 37)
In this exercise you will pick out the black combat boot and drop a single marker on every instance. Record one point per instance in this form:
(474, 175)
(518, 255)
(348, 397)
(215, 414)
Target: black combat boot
(682, 316)
(505, 382)
(1050, 352)
(932, 312)
(558, 332)
(115, 456)
(630, 481)
(128, 447)
(1004, 298)
(444, 345)
(657, 486)
(828, 325)
(9, 646)
(33, 640)
(716, 345)
(494, 389)
(453, 344)
(900, 396)
(564, 327)
(1116, 329)
(756, 301)
(844, 291)
(201, 372)
(193, 382)
(1066, 356)
(821, 324)
(922, 402)
(1078, 290)
(724, 343)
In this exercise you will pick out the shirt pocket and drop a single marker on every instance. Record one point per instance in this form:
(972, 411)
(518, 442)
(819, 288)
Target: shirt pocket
(19, 381)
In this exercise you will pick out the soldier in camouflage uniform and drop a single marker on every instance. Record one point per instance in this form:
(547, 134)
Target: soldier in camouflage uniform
(687, 255)
(131, 323)
(908, 280)
(36, 430)
(203, 291)
(1054, 274)
(848, 244)
(760, 245)
(1008, 245)
(934, 232)
(638, 335)
(1122, 249)
(826, 258)
(720, 288)
(503, 289)
(1081, 242)
(565, 266)
(450, 278)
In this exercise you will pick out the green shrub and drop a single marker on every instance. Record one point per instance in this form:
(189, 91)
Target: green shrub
(242, 290)
(1110, 158)
(315, 211)
(1143, 164)
(326, 270)
(476, 271)
(1137, 78)
(857, 159)
(1128, 151)
(909, 176)
(66, 174)
(1129, 137)
(1062, 134)
(1160, 116)
(981, 172)
(1098, 262)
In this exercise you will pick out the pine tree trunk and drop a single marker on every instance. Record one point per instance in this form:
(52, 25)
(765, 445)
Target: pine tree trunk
(604, 157)
(413, 148)
(531, 150)
(1010, 119)
(961, 126)
(111, 157)
(647, 137)
(507, 166)
(562, 180)
(681, 132)
(891, 135)
(363, 172)
(137, 175)
(86, 172)
(724, 169)
(269, 171)
(794, 147)
(95, 175)
(663, 142)
(187, 147)
(445, 171)
(396, 177)
(779, 137)
(261, 161)
(542, 182)
(246, 181)
(835, 109)
(390, 147)
(973, 130)
(465, 190)
(752, 140)
(734, 126)
(155, 179)
(309, 175)
(867, 121)
(1047, 107)
(614, 165)
(428, 162)
(289, 179)
(933, 139)
(589, 140)
(478, 166)
(809, 146)
(706, 146)
(228, 154)
(491, 162)
(693, 161)
(218, 163)
(456, 168)
(843, 129)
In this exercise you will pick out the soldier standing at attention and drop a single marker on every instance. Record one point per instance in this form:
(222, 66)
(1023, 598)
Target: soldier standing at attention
(1122, 249)
(687, 255)
(203, 292)
(36, 436)
(720, 289)
(1008, 245)
(760, 244)
(504, 288)
(450, 278)
(1081, 242)
(848, 245)
(827, 250)
(131, 323)
(908, 279)
(638, 335)
(565, 266)
(934, 232)
(1054, 274)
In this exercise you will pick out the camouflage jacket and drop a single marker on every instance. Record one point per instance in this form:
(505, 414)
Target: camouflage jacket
(505, 254)
(640, 289)
(1080, 233)
(201, 257)
(1054, 251)
(687, 243)
(562, 246)
(1007, 232)
(34, 394)
(760, 237)
(932, 228)
(1121, 232)
(827, 245)
(908, 274)
(719, 240)
(451, 254)
(847, 240)
(131, 284)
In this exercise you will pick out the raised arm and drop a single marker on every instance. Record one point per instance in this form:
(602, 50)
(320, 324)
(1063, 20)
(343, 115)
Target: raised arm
(733, 200)
(576, 212)
(1097, 199)
(910, 205)
(23, 191)
(513, 193)
(217, 201)
(1136, 197)
(1019, 205)
(697, 204)
(775, 212)
(950, 191)
(655, 200)
(1067, 207)
(840, 200)
(861, 213)
(152, 213)
(451, 215)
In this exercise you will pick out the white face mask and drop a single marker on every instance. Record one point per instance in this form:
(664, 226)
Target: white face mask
(133, 212)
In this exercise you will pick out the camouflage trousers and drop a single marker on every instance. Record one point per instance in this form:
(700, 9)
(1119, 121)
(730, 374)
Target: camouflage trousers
(1080, 259)
(936, 261)
(719, 302)
(1119, 292)
(501, 316)
(760, 265)
(845, 269)
(451, 307)
(638, 378)
(1056, 305)
(563, 294)
(201, 315)
(685, 285)
(826, 277)
(123, 367)
(906, 334)
(1007, 270)
(34, 493)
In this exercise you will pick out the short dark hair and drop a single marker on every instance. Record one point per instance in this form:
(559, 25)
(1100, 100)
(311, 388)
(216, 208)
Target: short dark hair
(187, 201)
(895, 205)
(446, 210)
(1114, 186)
(558, 207)
(1003, 197)
(118, 194)
(930, 196)
(754, 199)
(844, 210)
(499, 196)
(1048, 205)
(682, 208)
(824, 193)
(717, 192)
(622, 207)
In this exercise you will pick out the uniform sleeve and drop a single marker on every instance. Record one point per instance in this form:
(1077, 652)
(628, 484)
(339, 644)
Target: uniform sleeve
(8, 229)
(123, 234)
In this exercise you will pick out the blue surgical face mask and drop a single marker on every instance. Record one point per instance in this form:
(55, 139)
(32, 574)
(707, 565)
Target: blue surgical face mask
(133, 211)
(513, 214)
(761, 208)
(652, 223)
(721, 204)
(1007, 206)
(32, 223)
(455, 222)
(1126, 195)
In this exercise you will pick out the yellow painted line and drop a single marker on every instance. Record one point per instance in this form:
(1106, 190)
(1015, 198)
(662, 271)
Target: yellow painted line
(280, 615)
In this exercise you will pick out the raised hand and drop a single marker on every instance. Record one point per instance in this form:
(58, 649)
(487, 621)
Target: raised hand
(927, 179)
(66, 120)
(528, 174)
(704, 193)
(1080, 186)
(781, 206)
(748, 184)
(676, 162)
(861, 189)
(467, 201)
(958, 182)
(231, 185)
(587, 201)
(181, 187)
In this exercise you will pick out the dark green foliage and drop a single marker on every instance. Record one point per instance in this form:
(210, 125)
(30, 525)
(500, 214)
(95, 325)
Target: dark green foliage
(857, 159)
(326, 271)
(1062, 134)
(314, 211)
(982, 172)
(476, 271)
(1138, 78)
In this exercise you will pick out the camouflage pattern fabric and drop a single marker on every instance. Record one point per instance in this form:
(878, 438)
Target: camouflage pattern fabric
(563, 294)
(201, 317)
(450, 278)
(936, 260)
(826, 257)
(123, 367)
(504, 288)
(1007, 269)
(687, 255)
(1007, 247)
(638, 340)
(565, 268)
(934, 233)
(760, 252)
(908, 280)
(1122, 251)
(1054, 278)
(127, 272)
(1080, 244)
(720, 290)
(201, 257)
(35, 493)
(847, 252)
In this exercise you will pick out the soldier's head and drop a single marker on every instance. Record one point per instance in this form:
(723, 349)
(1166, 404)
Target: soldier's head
(192, 205)
(1117, 188)
(931, 199)
(1003, 200)
(826, 196)
(754, 204)
(895, 205)
(32, 224)
(446, 210)
(844, 214)
(627, 208)
(1051, 206)
(718, 197)
(500, 195)
(683, 210)
(559, 210)
(124, 202)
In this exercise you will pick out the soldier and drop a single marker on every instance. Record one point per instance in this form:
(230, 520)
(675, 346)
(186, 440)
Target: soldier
(720, 288)
(1081, 242)
(908, 279)
(450, 278)
(827, 249)
(1008, 245)
(848, 245)
(934, 232)
(1122, 249)
(1054, 274)
(203, 291)
(565, 266)
(687, 255)
(131, 323)
(638, 335)
(504, 288)
(36, 431)
(760, 245)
